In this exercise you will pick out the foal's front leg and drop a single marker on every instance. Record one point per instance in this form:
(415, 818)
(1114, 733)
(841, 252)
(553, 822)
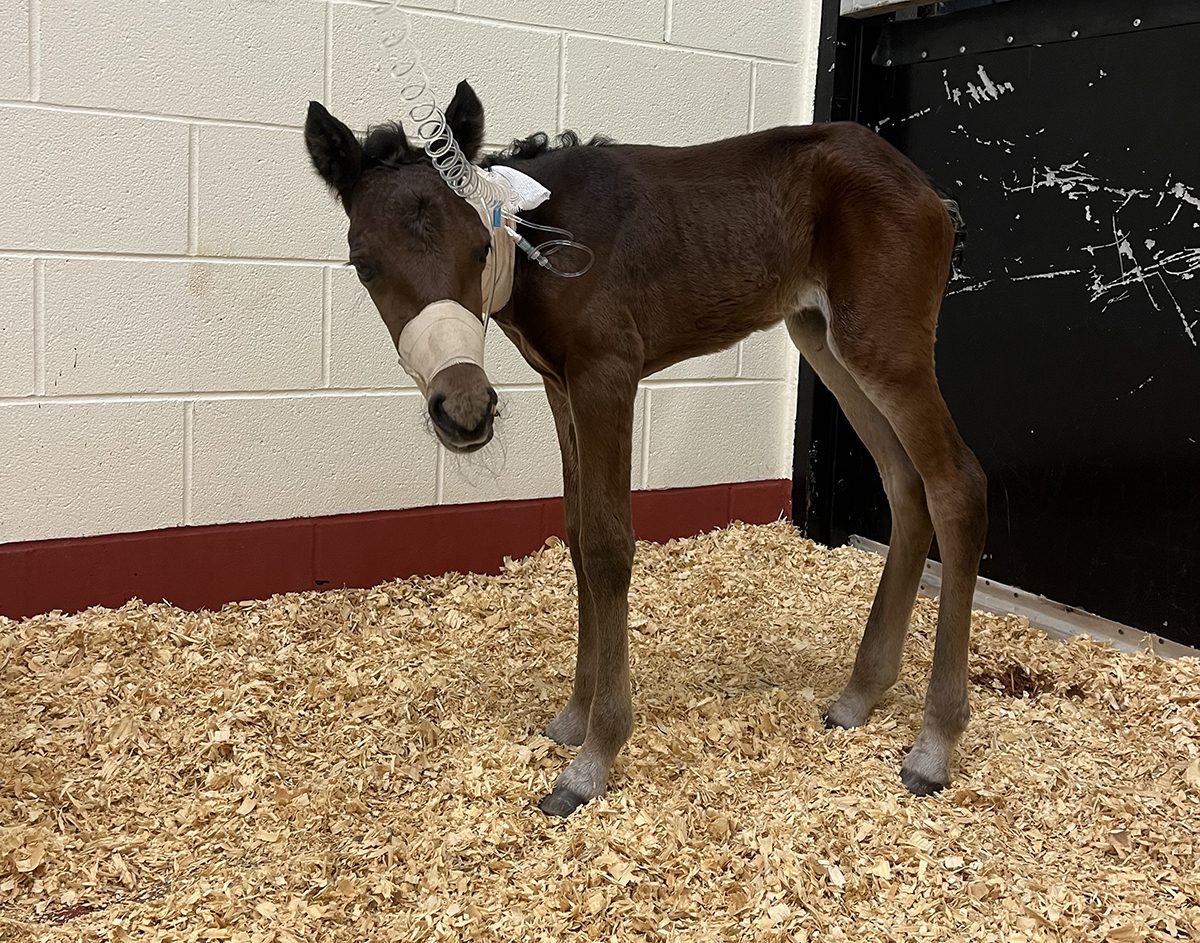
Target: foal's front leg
(601, 409)
(571, 724)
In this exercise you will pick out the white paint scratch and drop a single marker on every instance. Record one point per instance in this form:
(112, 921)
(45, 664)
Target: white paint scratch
(1184, 195)
(975, 287)
(1073, 181)
(985, 91)
(1025, 278)
(1138, 387)
(1157, 268)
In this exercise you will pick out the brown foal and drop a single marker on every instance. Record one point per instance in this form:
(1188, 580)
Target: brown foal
(826, 228)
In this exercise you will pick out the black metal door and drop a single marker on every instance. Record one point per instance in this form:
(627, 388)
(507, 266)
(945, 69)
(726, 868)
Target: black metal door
(1069, 347)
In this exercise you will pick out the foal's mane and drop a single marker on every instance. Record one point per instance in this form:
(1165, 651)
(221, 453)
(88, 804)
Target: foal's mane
(541, 143)
(386, 145)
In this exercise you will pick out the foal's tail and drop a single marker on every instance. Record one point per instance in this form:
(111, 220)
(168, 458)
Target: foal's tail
(960, 227)
(960, 235)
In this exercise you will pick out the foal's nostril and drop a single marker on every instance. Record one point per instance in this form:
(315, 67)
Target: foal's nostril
(437, 408)
(463, 418)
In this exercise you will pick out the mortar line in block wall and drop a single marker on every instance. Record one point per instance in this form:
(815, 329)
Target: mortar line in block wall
(753, 94)
(84, 255)
(334, 392)
(189, 412)
(35, 50)
(208, 396)
(583, 33)
(562, 81)
(741, 352)
(39, 327)
(327, 87)
(149, 115)
(439, 487)
(193, 207)
(668, 16)
(326, 324)
(646, 406)
(662, 46)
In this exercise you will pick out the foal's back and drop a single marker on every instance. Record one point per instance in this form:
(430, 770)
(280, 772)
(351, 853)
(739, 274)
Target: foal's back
(702, 245)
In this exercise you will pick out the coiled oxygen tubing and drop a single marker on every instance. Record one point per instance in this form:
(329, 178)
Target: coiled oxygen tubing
(431, 130)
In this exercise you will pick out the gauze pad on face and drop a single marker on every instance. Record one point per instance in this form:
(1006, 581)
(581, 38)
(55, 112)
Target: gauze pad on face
(443, 334)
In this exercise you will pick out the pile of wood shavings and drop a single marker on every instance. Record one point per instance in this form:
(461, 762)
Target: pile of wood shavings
(363, 765)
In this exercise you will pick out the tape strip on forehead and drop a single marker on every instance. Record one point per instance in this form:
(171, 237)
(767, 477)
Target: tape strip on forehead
(442, 335)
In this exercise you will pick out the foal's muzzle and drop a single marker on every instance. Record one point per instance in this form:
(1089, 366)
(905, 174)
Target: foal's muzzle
(462, 406)
(442, 350)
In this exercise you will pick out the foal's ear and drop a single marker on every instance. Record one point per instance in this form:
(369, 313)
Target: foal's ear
(334, 149)
(465, 117)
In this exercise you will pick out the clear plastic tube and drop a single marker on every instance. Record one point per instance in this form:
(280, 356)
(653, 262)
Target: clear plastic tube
(427, 124)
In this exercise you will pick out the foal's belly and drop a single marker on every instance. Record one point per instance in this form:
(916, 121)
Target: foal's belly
(722, 326)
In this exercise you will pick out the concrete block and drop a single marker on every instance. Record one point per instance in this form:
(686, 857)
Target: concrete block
(16, 327)
(767, 28)
(513, 69)
(653, 95)
(260, 61)
(634, 19)
(78, 469)
(306, 456)
(778, 97)
(260, 197)
(768, 355)
(79, 182)
(161, 327)
(719, 365)
(14, 50)
(704, 435)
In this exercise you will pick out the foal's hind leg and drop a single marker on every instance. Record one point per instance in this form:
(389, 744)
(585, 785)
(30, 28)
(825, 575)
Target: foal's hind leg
(893, 365)
(878, 662)
(570, 726)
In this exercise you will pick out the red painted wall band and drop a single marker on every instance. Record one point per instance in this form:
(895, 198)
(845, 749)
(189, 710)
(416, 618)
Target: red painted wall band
(204, 567)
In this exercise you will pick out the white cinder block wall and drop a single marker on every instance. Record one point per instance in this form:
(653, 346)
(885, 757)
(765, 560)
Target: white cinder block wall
(178, 342)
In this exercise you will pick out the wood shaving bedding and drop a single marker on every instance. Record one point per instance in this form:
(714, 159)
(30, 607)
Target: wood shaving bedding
(364, 765)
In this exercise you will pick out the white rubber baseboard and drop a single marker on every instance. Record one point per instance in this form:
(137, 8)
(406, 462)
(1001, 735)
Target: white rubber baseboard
(1053, 618)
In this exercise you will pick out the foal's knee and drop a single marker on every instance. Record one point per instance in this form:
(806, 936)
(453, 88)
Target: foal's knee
(608, 561)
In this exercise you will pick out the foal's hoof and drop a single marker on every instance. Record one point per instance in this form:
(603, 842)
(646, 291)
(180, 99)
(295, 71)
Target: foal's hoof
(847, 712)
(562, 802)
(918, 784)
(922, 784)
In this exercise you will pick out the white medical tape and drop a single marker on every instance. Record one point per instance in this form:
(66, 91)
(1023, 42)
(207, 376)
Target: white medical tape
(441, 335)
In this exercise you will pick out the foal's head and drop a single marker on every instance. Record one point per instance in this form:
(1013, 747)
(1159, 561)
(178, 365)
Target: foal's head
(413, 241)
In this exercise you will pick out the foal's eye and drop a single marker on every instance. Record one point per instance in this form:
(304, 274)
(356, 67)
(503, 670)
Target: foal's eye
(365, 272)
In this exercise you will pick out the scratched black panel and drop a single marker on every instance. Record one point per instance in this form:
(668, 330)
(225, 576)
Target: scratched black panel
(1068, 350)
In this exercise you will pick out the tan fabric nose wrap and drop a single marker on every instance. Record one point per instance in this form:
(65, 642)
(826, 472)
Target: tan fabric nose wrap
(443, 334)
